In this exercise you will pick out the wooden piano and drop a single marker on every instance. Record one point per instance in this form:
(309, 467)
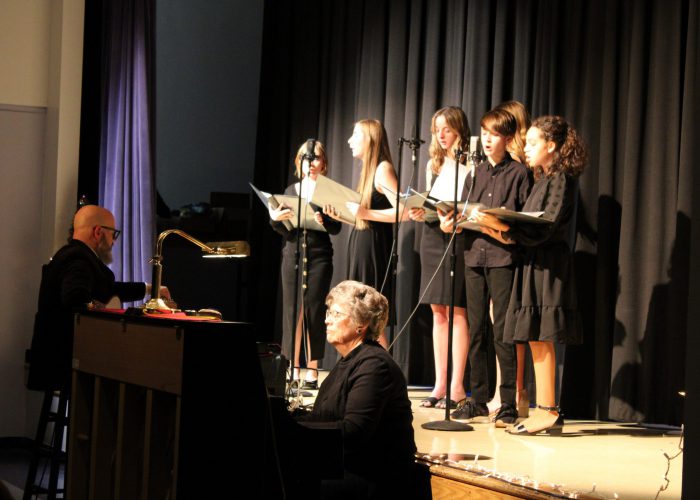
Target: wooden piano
(173, 409)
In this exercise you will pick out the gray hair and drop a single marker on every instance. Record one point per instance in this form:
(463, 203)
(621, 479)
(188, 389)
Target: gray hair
(366, 306)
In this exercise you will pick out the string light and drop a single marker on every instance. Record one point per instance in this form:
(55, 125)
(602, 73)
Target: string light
(557, 490)
(666, 481)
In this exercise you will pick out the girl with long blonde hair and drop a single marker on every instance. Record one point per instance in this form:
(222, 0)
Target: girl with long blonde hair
(450, 130)
(369, 248)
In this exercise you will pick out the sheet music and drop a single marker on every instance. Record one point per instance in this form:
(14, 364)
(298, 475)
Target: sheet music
(330, 192)
(307, 212)
(407, 200)
(510, 215)
(469, 224)
(428, 205)
(264, 197)
(273, 201)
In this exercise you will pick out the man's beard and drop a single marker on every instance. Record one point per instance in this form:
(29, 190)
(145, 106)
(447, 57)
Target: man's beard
(104, 251)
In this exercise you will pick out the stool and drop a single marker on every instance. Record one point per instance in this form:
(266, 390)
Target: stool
(53, 451)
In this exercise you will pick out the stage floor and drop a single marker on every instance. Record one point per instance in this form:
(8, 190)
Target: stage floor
(609, 460)
(591, 458)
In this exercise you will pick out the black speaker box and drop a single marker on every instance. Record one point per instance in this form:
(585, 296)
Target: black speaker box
(274, 367)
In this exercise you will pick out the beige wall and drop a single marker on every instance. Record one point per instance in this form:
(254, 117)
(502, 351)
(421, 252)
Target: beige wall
(41, 52)
(24, 51)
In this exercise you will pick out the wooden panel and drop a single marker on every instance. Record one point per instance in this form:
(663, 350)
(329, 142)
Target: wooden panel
(449, 483)
(79, 435)
(139, 354)
(133, 435)
(162, 445)
(104, 432)
(147, 430)
(130, 449)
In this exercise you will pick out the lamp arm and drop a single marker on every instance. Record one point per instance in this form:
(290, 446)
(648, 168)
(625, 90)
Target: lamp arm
(165, 234)
(156, 302)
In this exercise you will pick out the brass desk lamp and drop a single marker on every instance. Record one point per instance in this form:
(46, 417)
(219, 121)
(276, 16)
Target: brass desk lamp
(213, 249)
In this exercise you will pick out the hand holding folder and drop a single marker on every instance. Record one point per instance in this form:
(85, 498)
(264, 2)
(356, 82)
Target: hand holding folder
(331, 193)
(275, 201)
(499, 219)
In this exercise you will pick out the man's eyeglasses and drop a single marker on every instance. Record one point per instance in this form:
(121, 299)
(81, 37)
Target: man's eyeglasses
(116, 232)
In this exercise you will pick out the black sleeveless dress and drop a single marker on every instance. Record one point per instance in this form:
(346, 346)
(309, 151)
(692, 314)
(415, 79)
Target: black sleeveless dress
(369, 250)
(433, 245)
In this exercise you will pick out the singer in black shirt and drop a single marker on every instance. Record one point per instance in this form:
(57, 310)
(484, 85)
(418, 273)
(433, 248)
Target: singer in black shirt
(499, 181)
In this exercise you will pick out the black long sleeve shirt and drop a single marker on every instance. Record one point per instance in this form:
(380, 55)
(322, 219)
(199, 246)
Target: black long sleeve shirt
(506, 184)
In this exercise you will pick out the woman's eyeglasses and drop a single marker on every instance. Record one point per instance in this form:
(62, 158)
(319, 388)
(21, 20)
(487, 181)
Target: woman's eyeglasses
(335, 314)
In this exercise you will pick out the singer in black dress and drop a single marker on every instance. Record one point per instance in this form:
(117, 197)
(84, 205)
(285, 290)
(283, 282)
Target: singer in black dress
(369, 248)
(516, 149)
(448, 127)
(543, 307)
(317, 264)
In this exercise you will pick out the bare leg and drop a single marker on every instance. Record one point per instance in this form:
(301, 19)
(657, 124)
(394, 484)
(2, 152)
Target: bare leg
(460, 348)
(460, 351)
(545, 364)
(523, 401)
(297, 346)
(311, 370)
(439, 349)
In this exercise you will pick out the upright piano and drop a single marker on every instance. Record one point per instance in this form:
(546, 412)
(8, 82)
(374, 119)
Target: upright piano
(172, 408)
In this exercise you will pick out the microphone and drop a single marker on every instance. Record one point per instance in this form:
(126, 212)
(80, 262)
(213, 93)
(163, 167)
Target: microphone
(477, 154)
(310, 153)
(414, 143)
(308, 156)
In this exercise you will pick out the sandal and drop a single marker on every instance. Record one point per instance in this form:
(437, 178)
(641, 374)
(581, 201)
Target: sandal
(429, 402)
(441, 404)
(554, 426)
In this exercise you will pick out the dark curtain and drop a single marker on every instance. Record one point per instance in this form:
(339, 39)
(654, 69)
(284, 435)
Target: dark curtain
(126, 176)
(623, 73)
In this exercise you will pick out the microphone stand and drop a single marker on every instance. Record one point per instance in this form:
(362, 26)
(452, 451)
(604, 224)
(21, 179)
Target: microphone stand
(447, 424)
(414, 144)
(297, 257)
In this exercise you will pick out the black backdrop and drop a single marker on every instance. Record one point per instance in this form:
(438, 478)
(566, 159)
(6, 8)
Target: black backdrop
(624, 73)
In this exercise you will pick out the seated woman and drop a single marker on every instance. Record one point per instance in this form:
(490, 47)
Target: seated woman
(365, 394)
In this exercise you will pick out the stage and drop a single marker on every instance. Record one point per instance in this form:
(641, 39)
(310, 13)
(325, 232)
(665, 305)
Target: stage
(590, 459)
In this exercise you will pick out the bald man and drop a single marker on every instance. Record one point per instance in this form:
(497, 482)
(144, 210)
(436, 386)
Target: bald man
(76, 277)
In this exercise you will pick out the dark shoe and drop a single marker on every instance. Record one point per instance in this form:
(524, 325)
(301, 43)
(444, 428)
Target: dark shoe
(506, 414)
(310, 385)
(429, 402)
(471, 411)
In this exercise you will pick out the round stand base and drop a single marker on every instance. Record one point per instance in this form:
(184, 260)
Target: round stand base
(447, 425)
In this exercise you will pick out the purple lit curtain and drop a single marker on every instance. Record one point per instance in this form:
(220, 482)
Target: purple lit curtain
(126, 183)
